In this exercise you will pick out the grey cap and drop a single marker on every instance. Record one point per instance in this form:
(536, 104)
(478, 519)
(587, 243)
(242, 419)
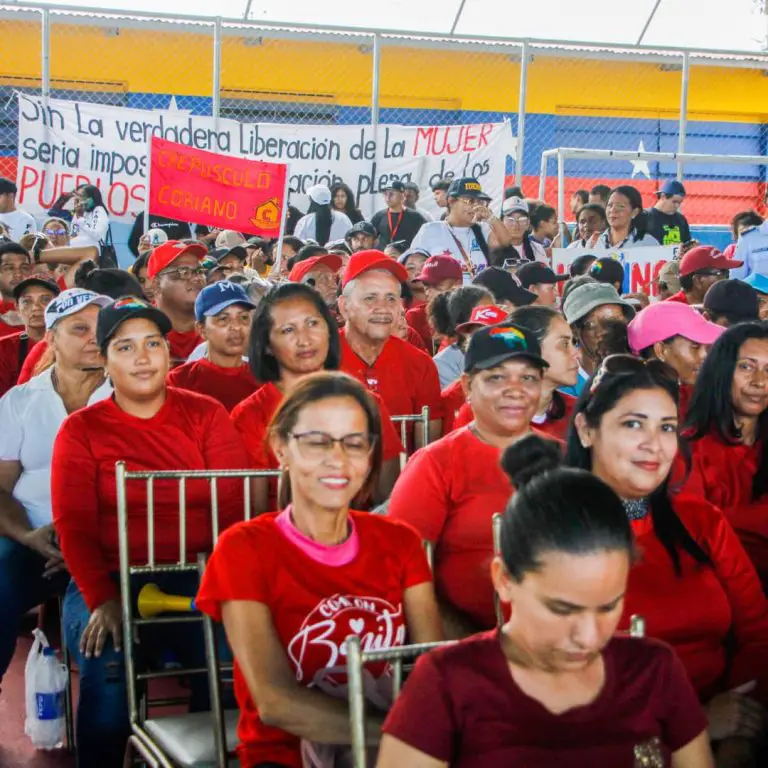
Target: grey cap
(582, 300)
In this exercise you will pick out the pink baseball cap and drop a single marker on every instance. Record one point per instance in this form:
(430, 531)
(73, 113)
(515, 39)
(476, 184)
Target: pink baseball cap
(665, 319)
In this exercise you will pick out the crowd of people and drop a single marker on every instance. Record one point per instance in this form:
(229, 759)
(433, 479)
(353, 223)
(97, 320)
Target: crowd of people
(620, 434)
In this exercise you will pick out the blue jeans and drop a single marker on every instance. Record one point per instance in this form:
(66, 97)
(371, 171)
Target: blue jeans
(103, 725)
(22, 587)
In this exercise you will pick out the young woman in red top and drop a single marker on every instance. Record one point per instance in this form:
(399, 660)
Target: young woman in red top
(556, 340)
(555, 687)
(291, 586)
(693, 584)
(293, 334)
(450, 490)
(150, 427)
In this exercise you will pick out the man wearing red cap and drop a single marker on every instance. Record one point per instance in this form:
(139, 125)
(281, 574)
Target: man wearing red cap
(319, 272)
(439, 274)
(174, 267)
(405, 378)
(701, 268)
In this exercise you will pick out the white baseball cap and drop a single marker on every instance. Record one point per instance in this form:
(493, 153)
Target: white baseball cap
(156, 236)
(71, 301)
(320, 194)
(228, 238)
(512, 204)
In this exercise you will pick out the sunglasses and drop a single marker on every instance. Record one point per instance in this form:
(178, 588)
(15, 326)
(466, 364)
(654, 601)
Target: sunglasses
(626, 365)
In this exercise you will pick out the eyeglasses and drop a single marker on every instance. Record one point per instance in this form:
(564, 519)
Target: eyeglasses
(519, 220)
(55, 232)
(712, 272)
(663, 286)
(21, 269)
(318, 445)
(184, 274)
(626, 365)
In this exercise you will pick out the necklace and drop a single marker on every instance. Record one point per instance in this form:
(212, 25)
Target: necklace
(636, 509)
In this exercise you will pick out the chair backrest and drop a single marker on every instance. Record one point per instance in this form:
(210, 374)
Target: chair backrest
(356, 661)
(422, 419)
(132, 623)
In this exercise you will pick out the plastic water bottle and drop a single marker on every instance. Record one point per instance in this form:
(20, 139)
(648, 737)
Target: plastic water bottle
(45, 682)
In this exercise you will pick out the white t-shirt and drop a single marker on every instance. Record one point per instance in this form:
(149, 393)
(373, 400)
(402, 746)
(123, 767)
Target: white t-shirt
(18, 223)
(539, 252)
(90, 228)
(30, 415)
(437, 238)
(340, 225)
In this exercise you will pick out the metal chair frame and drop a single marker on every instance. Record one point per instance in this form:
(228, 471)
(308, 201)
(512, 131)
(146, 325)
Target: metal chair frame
(404, 420)
(140, 740)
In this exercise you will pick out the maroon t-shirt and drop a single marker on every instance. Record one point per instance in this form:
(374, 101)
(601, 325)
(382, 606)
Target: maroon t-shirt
(462, 706)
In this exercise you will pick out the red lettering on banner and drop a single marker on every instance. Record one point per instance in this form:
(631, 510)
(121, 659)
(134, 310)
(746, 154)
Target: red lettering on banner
(426, 134)
(485, 132)
(640, 278)
(29, 178)
(123, 189)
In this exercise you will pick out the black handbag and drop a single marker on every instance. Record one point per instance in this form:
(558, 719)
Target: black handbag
(107, 252)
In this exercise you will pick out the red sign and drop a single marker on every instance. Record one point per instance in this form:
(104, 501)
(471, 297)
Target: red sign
(216, 190)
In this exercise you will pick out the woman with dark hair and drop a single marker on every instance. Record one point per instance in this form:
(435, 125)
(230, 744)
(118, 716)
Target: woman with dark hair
(322, 223)
(90, 223)
(446, 311)
(591, 222)
(450, 489)
(343, 200)
(554, 686)
(517, 221)
(293, 334)
(556, 341)
(290, 586)
(139, 270)
(726, 427)
(694, 584)
(627, 221)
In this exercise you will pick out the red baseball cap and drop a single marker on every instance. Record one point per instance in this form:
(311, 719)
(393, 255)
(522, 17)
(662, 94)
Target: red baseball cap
(300, 270)
(439, 268)
(164, 255)
(365, 261)
(483, 314)
(705, 257)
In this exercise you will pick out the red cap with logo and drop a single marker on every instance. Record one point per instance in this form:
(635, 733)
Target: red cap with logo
(439, 268)
(483, 314)
(300, 270)
(705, 257)
(365, 261)
(164, 255)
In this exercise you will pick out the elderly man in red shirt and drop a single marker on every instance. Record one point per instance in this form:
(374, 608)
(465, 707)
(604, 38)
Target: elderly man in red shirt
(405, 378)
(174, 267)
(701, 268)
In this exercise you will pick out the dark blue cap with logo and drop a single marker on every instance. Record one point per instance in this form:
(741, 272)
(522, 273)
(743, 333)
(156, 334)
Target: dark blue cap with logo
(217, 297)
(673, 187)
(491, 346)
(467, 187)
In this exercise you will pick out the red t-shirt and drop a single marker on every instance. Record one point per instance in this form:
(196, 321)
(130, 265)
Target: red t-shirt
(227, 385)
(33, 358)
(404, 378)
(449, 492)
(722, 473)
(418, 319)
(8, 317)
(462, 706)
(190, 431)
(679, 297)
(416, 340)
(10, 353)
(182, 344)
(706, 610)
(453, 398)
(252, 416)
(314, 608)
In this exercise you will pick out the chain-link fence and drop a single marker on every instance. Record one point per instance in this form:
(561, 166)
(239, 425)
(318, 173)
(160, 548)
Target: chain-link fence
(574, 95)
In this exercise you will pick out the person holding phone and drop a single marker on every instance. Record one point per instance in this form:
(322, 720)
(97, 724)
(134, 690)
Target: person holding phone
(90, 223)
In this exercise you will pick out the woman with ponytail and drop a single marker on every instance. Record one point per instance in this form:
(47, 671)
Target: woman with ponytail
(627, 221)
(554, 686)
(322, 224)
(693, 584)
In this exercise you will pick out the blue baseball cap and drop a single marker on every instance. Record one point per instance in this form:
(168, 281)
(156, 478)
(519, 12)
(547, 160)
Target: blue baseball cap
(672, 187)
(758, 282)
(217, 297)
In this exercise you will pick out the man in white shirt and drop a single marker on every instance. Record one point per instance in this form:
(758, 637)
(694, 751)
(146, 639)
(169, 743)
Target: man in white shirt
(16, 221)
(465, 232)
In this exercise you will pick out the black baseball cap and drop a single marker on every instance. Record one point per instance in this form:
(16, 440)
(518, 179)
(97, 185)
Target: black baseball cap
(495, 344)
(41, 282)
(236, 250)
(467, 186)
(504, 286)
(361, 228)
(125, 308)
(733, 298)
(607, 270)
(533, 272)
(395, 186)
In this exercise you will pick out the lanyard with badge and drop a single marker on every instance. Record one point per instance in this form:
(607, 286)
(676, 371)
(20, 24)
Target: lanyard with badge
(467, 260)
(393, 232)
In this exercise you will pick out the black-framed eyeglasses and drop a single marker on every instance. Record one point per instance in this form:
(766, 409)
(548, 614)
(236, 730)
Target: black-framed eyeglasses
(318, 445)
(184, 273)
(626, 365)
(712, 272)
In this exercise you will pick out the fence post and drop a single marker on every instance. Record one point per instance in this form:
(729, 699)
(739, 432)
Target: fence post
(45, 45)
(375, 83)
(683, 112)
(560, 185)
(216, 103)
(520, 153)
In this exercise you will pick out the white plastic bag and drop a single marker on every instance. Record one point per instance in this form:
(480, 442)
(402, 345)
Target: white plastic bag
(45, 679)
